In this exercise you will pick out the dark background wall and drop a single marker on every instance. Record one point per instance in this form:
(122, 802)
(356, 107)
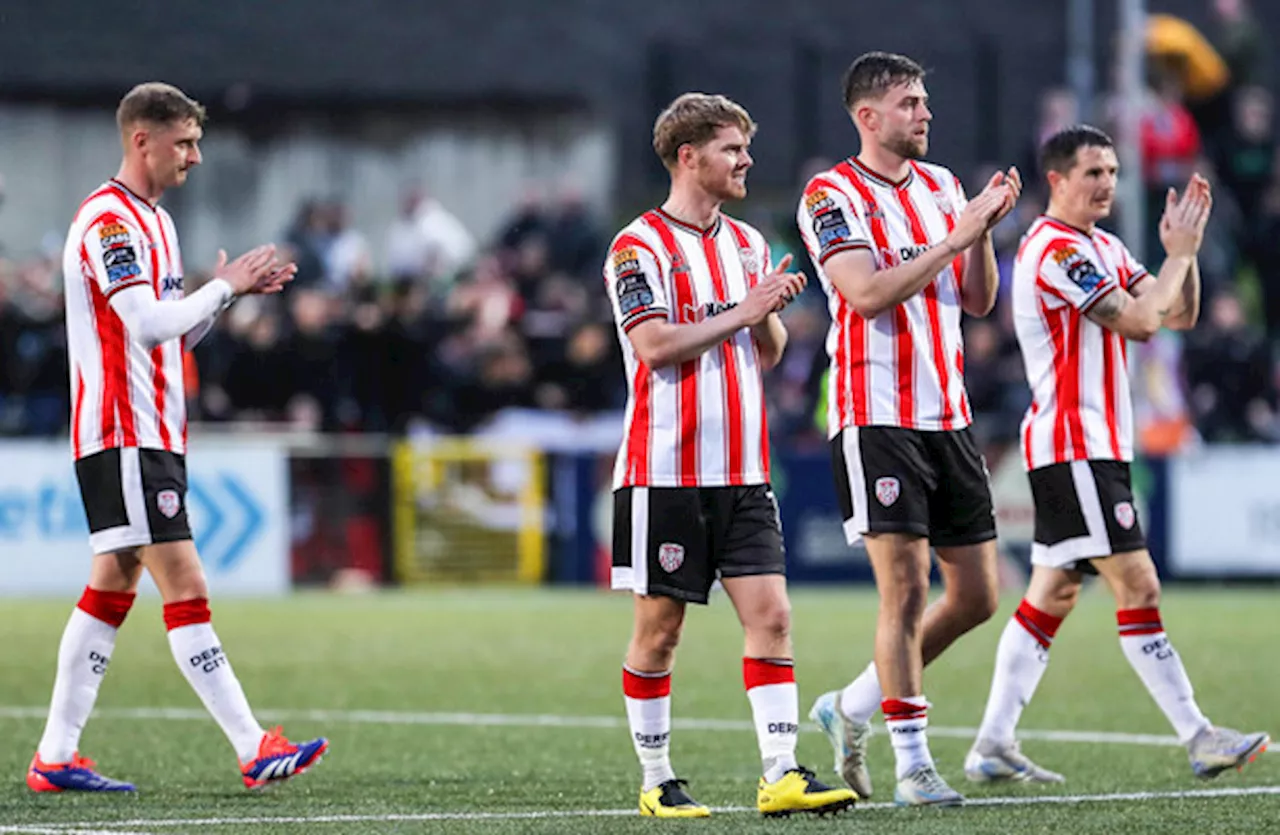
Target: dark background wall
(255, 61)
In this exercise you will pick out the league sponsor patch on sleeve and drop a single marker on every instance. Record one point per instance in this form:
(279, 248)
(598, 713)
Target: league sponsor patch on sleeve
(634, 292)
(1079, 268)
(818, 201)
(831, 228)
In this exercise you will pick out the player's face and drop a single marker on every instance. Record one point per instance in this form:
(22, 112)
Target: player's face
(723, 162)
(903, 120)
(1089, 188)
(171, 151)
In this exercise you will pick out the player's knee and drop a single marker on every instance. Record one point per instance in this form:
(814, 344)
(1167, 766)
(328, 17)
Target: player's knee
(774, 622)
(661, 638)
(909, 597)
(979, 605)
(1143, 593)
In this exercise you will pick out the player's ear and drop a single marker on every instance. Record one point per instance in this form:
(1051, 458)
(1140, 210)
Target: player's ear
(686, 155)
(865, 116)
(1054, 178)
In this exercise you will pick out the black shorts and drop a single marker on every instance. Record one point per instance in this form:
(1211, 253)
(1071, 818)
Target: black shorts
(133, 497)
(894, 480)
(1084, 510)
(675, 541)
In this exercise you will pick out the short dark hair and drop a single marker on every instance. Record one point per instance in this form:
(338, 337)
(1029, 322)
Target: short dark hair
(158, 103)
(693, 119)
(1058, 153)
(873, 73)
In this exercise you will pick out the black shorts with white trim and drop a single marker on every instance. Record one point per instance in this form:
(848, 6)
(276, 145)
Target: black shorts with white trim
(1084, 510)
(675, 541)
(133, 497)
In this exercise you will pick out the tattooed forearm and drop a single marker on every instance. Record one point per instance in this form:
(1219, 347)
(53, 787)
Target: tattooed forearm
(1110, 305)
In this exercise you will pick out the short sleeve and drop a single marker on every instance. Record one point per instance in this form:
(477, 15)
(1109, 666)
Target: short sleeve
(1073, 275)
(113, 251)
(829, 223)
(634, 281)
(1133, 270)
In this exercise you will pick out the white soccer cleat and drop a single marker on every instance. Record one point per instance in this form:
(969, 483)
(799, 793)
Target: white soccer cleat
(848, 740)
(990, 762)
(925, 787)
(1214, 750)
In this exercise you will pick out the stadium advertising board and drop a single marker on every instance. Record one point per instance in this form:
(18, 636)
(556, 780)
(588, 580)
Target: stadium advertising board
(1224, 513)
(237, 503)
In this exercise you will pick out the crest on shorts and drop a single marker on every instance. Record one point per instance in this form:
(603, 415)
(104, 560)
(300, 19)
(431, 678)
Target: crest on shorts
(670, 556)
(887, 490)
(168, 503)
(1125, 514)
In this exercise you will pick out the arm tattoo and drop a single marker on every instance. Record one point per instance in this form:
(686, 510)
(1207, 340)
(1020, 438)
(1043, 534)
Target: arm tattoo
(1109, 306)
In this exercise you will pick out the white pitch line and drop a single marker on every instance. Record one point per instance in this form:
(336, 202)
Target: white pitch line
(522, 720)
(1192, 794)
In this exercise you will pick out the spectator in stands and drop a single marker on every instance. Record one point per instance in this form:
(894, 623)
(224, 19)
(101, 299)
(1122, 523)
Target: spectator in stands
(1265, 251)
(427, 242)
(1230, 376)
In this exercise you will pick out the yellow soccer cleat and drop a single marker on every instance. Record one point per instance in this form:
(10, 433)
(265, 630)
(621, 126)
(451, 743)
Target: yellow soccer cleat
(798, 791)
(670, 800)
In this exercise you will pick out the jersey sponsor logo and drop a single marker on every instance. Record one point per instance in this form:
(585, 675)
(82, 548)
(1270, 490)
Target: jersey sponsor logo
(888, 489)
(817, 201)
(121, 272)
(691, 313)
(118, 255)
(906, 253)
(1082, 271)
(831, 228)
(634, 292)
(171, 284)
(168, 502)
(1125, 515)
(670, 556)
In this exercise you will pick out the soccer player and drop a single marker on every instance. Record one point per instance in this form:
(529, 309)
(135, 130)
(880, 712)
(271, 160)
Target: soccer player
(900, 253)
(127, 325)
(1078, 295)
(696, 301)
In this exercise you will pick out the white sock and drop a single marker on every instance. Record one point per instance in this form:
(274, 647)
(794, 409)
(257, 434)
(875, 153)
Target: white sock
(199, 654)
(1153, 658)
(83, 656)
(775, 709)
(1021, 659)
(861, 698)
(648, 700)
(907, 721)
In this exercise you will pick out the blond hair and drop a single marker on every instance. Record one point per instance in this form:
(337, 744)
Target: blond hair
(693, 119)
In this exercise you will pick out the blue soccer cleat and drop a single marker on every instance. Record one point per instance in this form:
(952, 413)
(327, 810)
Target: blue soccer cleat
(279, 759)
(74, 776)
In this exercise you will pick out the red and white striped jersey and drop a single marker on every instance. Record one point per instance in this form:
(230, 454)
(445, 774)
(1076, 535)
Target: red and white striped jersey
(701, 423)
(903, 367)
(1077, 369)
(122, 394)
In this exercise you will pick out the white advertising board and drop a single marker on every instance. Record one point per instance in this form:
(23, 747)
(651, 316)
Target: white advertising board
(237, 503)
(1224, 512)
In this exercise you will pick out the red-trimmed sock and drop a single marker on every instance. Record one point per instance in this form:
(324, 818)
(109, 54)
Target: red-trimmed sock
(775, 709)
(1021, 659)
(907, 720)
(199, 655)
(83, 655)
(1153, 658)
(648, 700)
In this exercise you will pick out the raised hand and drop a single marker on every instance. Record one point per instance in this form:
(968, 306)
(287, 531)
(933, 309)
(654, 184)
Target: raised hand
(772, 293)
(977, 216)
(246, 272)
(1011, 182)
(1183, 223)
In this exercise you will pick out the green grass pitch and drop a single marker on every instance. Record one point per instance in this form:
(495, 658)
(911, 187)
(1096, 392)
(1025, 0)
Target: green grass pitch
(390, 678)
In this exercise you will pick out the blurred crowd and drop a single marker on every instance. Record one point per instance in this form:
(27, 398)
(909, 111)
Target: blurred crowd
(429, 329)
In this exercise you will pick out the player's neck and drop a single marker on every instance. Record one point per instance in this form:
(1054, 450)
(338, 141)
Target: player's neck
(692, 206)
(136, 180)
(887, 164)
(1081, 225)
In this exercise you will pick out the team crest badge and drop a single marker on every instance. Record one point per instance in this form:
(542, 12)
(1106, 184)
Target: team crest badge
(750, 262)
(168, 503)
(887, 490)
(670, 556)
(1125, 514)
(944, 202)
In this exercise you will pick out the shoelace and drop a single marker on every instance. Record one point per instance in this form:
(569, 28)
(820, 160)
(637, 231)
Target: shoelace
(78, 761)
(275, 744)
(932, 781)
